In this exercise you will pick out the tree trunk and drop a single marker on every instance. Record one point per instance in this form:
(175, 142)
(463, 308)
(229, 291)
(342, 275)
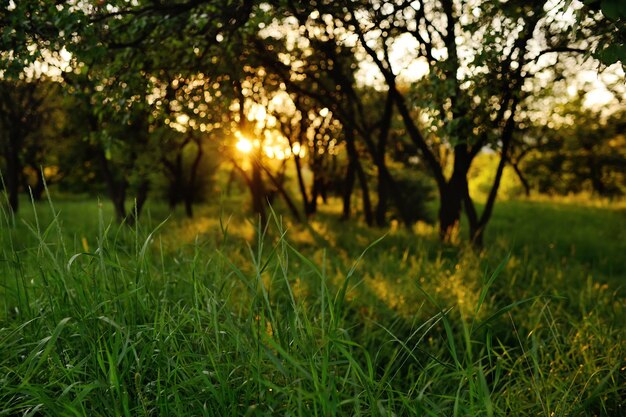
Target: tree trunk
(475, 228)
(302, 187)
(354, 159)
(117, 189)
(348, 187)
(176, 182)
(477, 232)
(383, 196)
(188, 207)
(384, 176)
(311, 207)
(323, 190)
(595, 174)
(173, 197)
(258, 191)
(191, 189)
(39, 186)
(280, 188)
(172, 201)
(229, 183)
(365, 195)
(522, 179)
(450, 198)
(255, 190)
(118, 198)
(140, 201)
(453, 193)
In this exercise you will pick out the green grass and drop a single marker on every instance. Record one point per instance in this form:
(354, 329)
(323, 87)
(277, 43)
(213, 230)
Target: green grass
(212, 317)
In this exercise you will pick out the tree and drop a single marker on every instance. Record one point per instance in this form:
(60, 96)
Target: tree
(480, 59)
(321, 67)
(204, 67)
(585, 151)
(26, 117)
(312, 134)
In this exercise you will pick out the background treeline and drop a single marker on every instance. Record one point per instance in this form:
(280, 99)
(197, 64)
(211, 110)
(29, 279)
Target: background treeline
(388, 104)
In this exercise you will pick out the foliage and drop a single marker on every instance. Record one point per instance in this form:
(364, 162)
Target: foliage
(197, 176)
(585, 152)
(30, 121)
(416, 190)
(610, 29)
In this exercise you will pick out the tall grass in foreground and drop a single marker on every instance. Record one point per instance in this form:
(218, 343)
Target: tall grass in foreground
(125, 327)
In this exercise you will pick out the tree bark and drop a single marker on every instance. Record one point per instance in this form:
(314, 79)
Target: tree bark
(315, 193)
(191, 188)
(118, 198)
(281, 190)
(381, 206)
(521, 177)
(140, 201)
(117, 189)
(348, 188)
(39, 187)
(257, 190)
(306, 203)
(595, 175)
(176, 182)
(358, 169)
(189, 207)
(450, 198)
(365, 195)
(385, 181)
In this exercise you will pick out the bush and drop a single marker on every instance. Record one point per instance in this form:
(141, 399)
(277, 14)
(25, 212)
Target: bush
(416, 191)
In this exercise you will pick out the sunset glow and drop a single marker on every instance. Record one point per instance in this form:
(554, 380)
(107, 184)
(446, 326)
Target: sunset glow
(274, 146)
(244, 145)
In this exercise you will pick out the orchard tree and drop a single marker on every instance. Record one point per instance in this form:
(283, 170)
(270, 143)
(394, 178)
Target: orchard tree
(320, 66)
(27, 118)
(314, 141)
(479, 58)
(585, 151)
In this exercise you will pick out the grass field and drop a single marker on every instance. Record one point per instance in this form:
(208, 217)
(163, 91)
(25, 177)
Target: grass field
(213, 317)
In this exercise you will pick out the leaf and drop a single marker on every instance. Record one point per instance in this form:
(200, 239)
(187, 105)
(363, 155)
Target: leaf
(612, 54)
(614, 9)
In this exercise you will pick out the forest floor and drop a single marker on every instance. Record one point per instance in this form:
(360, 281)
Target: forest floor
(212, 316)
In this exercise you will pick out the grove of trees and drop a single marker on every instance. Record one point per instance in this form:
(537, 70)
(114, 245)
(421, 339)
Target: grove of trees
(390, 102)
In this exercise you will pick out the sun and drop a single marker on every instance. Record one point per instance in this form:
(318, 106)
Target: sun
(244, 145)
(271, 145)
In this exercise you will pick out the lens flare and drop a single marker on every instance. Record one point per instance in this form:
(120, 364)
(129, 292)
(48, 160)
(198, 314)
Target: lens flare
(244, 145)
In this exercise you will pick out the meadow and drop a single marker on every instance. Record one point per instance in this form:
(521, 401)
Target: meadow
(215, 316)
